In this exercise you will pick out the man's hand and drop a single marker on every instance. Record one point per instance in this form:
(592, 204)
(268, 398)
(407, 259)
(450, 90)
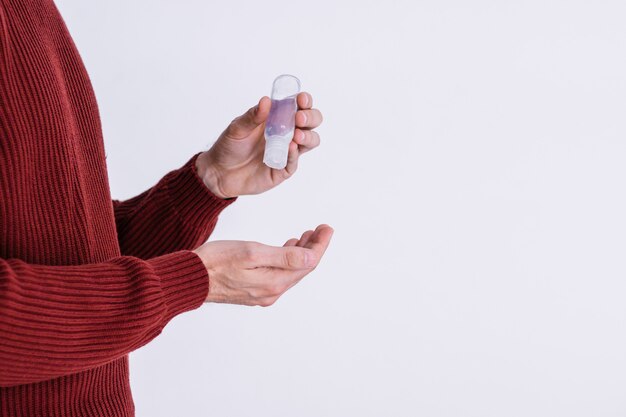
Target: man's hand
(234, 164)
(250, 273)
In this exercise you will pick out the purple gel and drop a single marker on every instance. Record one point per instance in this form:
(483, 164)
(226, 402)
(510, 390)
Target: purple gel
(281, 121)
(282, 118)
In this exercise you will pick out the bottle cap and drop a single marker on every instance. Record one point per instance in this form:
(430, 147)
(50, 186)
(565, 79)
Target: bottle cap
(276, 156)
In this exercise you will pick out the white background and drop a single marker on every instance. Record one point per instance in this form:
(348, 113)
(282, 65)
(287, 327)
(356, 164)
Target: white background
(472, 165)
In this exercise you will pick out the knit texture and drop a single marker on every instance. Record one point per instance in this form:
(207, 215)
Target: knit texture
(84, 279)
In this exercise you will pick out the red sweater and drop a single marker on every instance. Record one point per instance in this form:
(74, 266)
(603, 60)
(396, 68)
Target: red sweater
(84, 279)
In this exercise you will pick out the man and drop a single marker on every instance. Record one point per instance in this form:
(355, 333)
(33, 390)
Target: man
(85, 279)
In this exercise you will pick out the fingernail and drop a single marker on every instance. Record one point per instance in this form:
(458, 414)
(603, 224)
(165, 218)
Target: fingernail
(303, 118)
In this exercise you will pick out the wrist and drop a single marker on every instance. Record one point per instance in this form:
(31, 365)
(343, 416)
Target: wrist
(207, 171)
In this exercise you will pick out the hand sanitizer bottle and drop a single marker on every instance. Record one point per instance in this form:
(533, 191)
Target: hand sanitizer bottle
(281, 122)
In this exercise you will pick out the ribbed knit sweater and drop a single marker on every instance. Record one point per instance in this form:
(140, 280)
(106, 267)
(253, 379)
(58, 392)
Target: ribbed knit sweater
(84, 279)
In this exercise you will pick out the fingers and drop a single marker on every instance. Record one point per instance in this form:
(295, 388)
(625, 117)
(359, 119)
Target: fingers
(299, 242)
(305, 101)
(250, 120)
(305, 238)
(307, 116)
(306, 140)
(285, 257)
(308, 119)
(295, 254)
(289, 264)
(291, 242)
(319, 240)
(292, 159)
(303, 141)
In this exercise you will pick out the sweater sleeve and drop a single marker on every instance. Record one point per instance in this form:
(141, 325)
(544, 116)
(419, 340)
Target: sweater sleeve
(179, 212)
(60, 320)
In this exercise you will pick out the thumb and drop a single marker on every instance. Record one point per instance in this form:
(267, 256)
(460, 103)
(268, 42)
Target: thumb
(288, 257)
(250, 120)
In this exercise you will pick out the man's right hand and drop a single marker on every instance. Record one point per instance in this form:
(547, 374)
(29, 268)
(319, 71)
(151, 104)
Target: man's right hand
(251, 273)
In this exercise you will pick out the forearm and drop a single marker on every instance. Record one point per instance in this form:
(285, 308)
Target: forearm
(58, 320)
(179, 212)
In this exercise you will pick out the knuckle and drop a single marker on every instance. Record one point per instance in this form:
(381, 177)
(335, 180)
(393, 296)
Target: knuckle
(267, 302)
(314, 118)
(314, 261)
(253, 257)
(234, 124)
(234, 129)
(316, 138)
(304, 117)
(250, 252)
(294, 258)
(275, 289)
(286, 174)
(299, 136)
(255, 294)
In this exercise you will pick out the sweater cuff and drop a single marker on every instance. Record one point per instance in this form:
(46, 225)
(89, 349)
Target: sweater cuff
(194, 202)
(184, 281)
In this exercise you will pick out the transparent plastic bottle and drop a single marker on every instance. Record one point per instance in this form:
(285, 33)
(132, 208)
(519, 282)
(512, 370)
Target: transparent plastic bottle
(281, 122)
